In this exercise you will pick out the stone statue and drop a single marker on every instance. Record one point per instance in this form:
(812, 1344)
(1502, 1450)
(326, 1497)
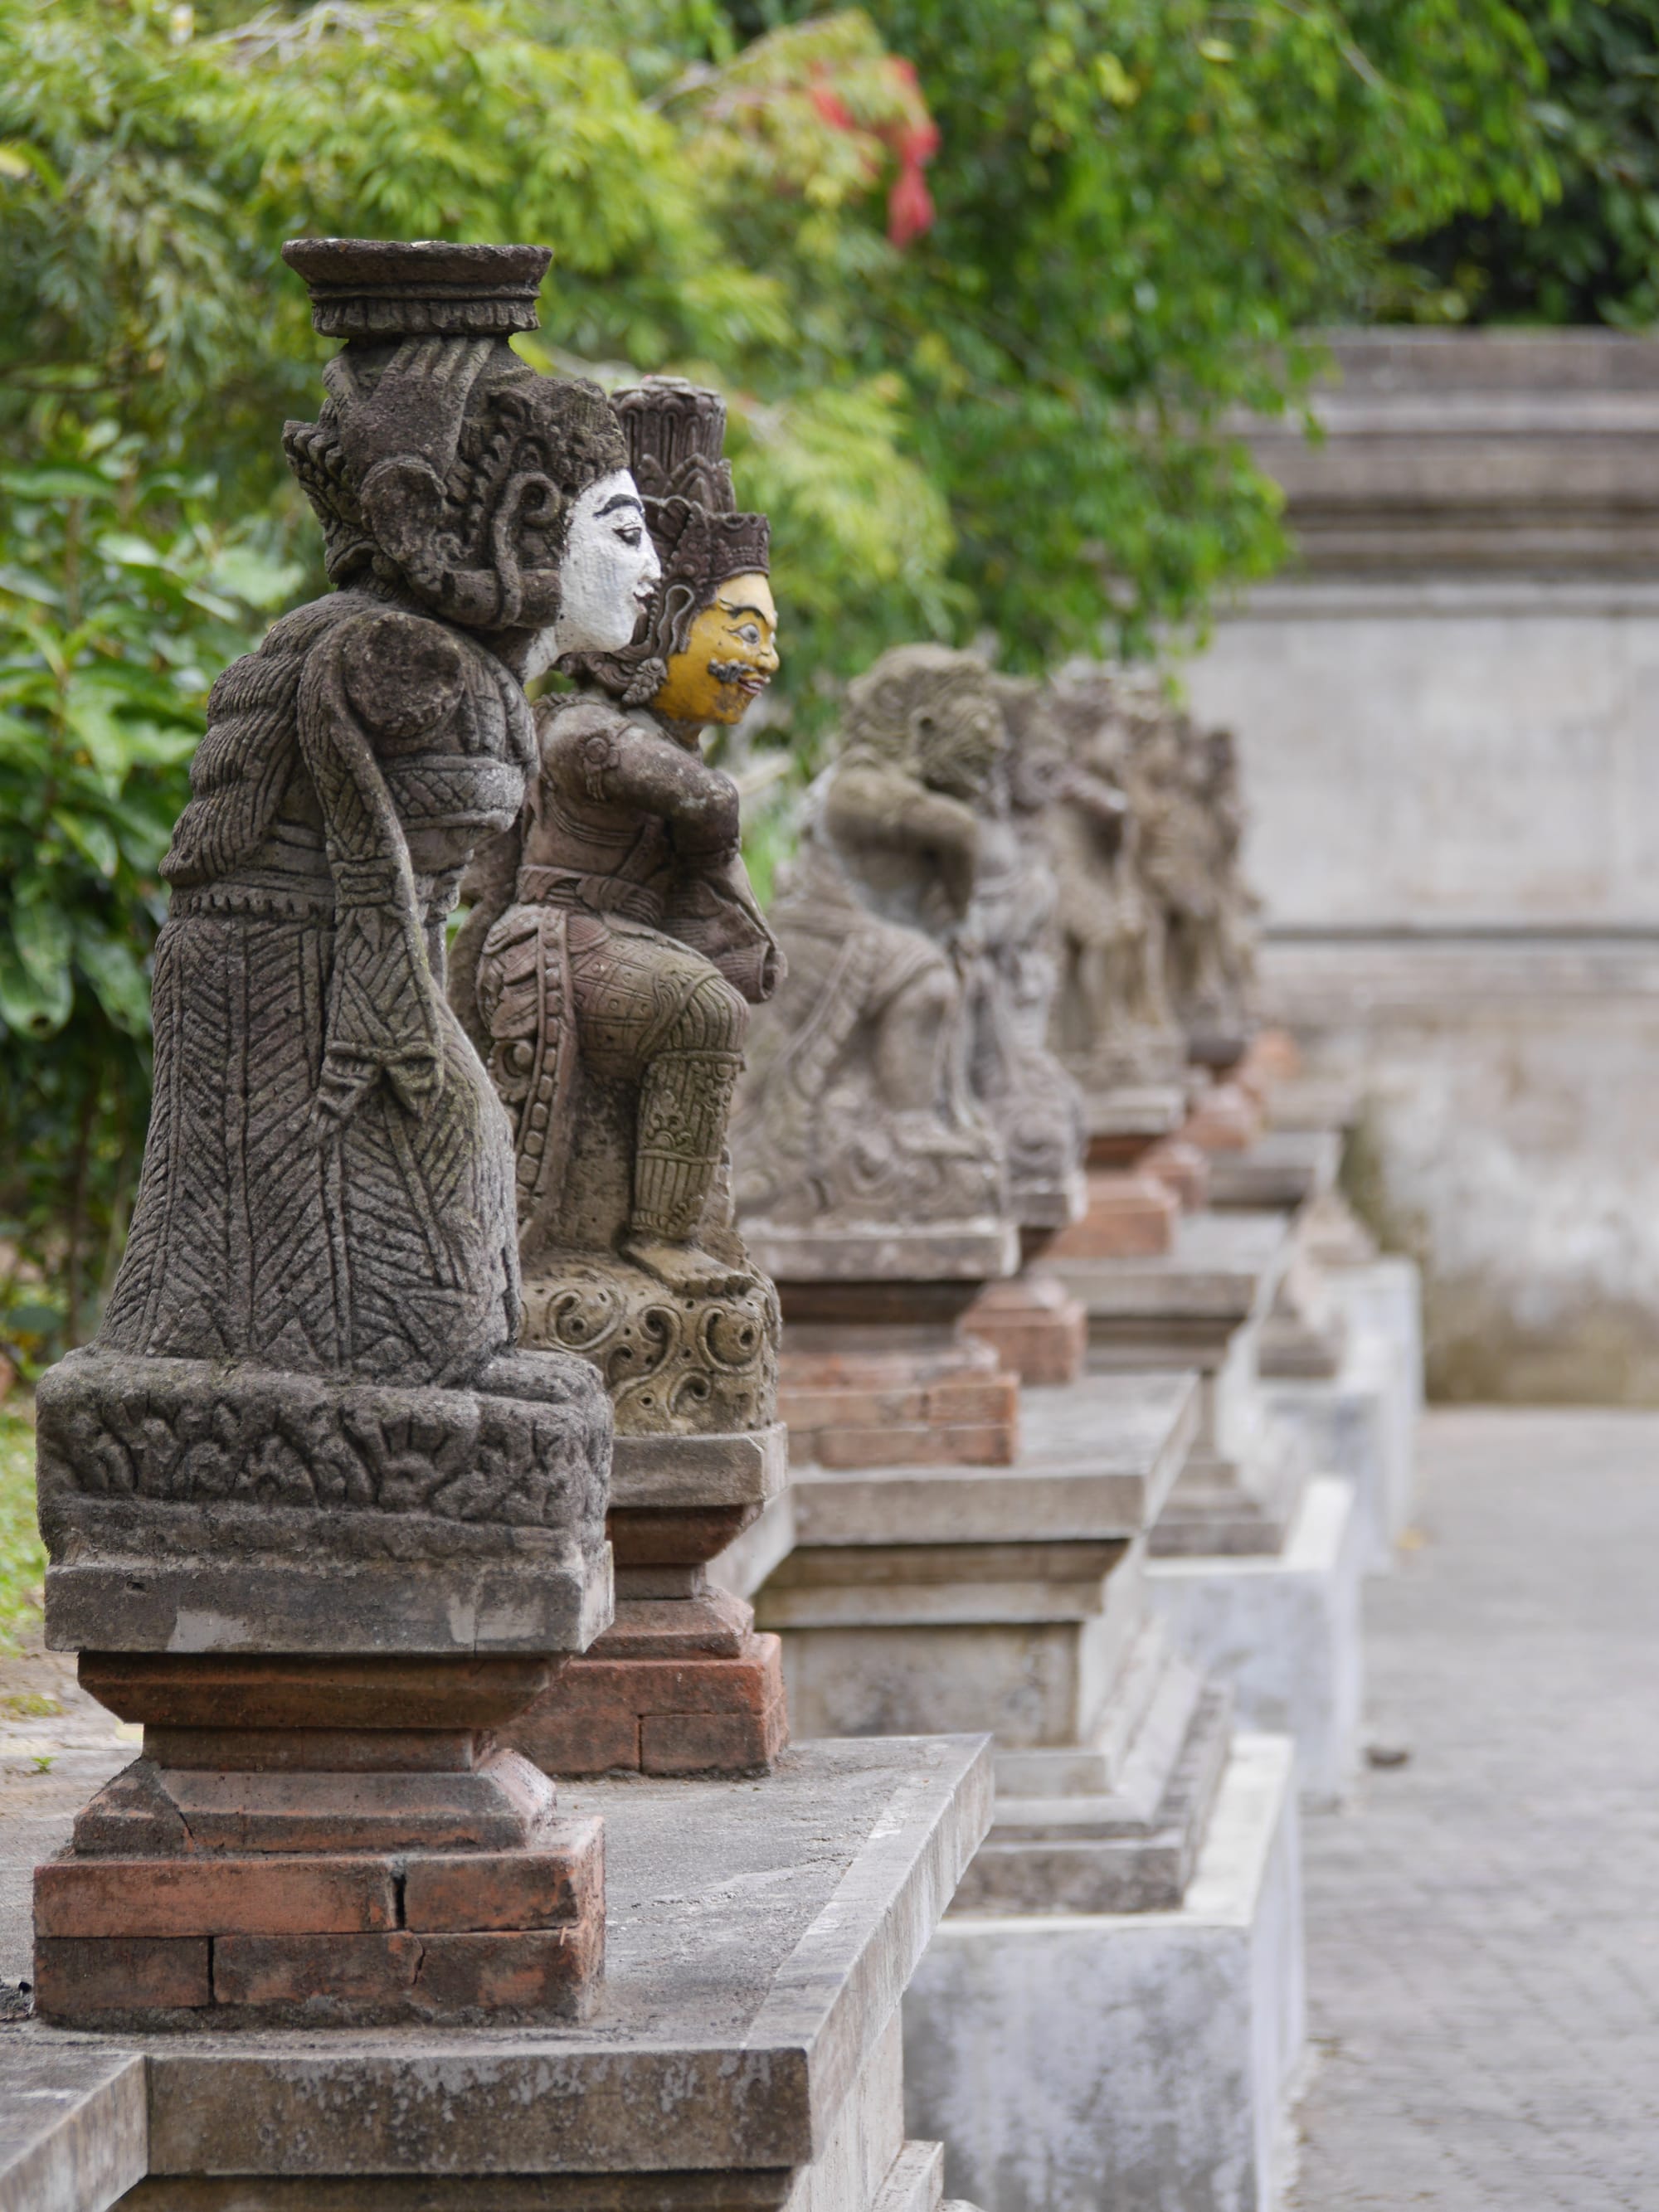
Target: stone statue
(1211, 943)
(614, 947)
(858, 1111)
(305, 1501)
(1009, 942)
(1112, 1022)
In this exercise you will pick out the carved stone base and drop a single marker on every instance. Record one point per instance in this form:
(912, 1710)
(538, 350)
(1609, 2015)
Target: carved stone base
(675, 1360)
(190, 1506)
(319, 1842)
(1130, 1215)
(680, 1684)
(1038, 1331)
(1124, 1120)
(897, 1396)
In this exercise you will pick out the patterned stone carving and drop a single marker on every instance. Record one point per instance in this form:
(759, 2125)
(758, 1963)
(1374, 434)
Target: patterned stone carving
(858, 1112)
(614, 947)
(326, 1199)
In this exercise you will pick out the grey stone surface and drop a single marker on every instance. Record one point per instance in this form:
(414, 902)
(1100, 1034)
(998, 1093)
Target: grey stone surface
(1282, 1170)
(1221, 1270)
(1482, 1948)
(744, 1466)
(971, 1251)
(760, 1937)
(74, 2126)
(1096, 1459)
(1283, 1632)
(1071, 2061)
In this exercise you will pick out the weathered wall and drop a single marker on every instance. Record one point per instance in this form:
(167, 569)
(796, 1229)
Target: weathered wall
(1448, 717)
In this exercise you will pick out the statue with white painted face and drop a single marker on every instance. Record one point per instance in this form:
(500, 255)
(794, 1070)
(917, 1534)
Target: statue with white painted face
(328, 1182)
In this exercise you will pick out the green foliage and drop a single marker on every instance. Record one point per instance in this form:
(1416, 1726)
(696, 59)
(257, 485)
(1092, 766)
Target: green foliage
(121, 602)
(22, 1557)
(1595, 255)
(1141, 203)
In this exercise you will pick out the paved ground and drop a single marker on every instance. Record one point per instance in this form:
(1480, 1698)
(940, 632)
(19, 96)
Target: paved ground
(1484, 1925)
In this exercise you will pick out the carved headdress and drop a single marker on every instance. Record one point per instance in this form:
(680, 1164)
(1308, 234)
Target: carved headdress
(440, 461)
(676, 435)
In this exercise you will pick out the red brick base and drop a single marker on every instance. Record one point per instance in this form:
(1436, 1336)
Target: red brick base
(641, 1701)
(274, 1874)
(896, 1409)
(1037, 1330)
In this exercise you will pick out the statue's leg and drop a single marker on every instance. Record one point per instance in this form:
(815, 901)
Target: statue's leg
(910, 1046)
(685, 1103)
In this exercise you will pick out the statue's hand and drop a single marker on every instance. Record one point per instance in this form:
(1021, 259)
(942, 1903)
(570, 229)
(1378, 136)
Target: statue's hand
(418, 408)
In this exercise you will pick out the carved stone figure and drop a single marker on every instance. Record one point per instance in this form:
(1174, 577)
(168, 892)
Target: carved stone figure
(304, 1451)
(858, 1114)
(1112, 1022)
(1009, 945)
(609, 962)
(1211, 943)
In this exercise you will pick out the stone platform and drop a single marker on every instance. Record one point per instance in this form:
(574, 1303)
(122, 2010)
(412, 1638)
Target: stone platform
(1283, 1632)
(1140, 2062)
(745, 2051)
(1266, 1545)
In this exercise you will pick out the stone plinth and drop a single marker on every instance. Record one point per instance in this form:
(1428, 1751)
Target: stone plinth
(1037, 1330)
(1131, 1214)
(679, 1683)
(747, 2052)
(321, 1598)
(1284, 1632)
(1184, 1168)
(1123, 1122)
(1285, 1169)
(74, 2128)
(1072, 2060)
(1202, 1306)
(1016, 1597)
(1241, 1515)
(1225, 1118)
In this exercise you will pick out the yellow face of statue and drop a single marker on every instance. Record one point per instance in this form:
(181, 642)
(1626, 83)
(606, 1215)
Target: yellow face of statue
(730, 657)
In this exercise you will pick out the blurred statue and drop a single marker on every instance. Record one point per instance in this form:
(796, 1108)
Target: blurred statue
(858, 1110)
(1112, 1023)
(1008, 943)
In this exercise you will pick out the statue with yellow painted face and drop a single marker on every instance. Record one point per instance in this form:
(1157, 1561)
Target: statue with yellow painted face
(612, 953)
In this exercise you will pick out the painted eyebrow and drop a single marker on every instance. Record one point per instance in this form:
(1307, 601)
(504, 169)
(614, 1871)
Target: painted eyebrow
(621, 499)
(743, 607)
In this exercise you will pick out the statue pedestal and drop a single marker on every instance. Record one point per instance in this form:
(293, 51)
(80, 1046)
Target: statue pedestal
(1124, 1120)
(1223, 1119)
(877, 1367)
(321, 1599)
(1122, 1959)
(1037, 1330)
(746, 2052)
(1132, 1214)
(1262, 1588)
(679, 1684)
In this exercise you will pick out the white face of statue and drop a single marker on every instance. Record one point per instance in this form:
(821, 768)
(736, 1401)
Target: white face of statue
(609, 571)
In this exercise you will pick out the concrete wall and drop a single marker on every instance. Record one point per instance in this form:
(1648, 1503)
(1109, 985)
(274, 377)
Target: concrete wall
(1450, 718)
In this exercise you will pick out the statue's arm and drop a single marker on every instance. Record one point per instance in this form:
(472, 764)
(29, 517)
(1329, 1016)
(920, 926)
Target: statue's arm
(881, 807)
(595, 753)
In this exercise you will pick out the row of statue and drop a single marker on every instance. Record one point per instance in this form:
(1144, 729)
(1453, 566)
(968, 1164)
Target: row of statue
(1011, 898)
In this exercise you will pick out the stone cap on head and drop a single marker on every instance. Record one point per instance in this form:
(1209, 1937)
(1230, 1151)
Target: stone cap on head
(373, 287)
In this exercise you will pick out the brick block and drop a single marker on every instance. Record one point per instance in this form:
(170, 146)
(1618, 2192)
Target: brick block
(735, 1742)
(830, 1408)
(474, 1891)
(213, 1896)
(548, 1972)
(375, 1972)
(75, 1975)
(994, 1398)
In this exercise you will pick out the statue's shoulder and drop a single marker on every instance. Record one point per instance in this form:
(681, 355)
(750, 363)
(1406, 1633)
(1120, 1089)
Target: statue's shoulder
(582, 738)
